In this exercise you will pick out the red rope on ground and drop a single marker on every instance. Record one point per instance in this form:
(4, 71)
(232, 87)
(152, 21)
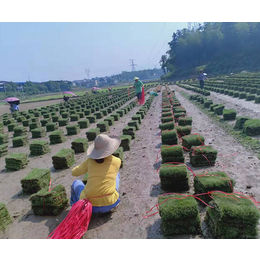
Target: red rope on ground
(76, 222)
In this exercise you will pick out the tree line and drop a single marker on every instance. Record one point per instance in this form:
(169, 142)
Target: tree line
(31, 88)
(218, 48)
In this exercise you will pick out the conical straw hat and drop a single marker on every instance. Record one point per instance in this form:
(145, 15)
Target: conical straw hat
(103, 146)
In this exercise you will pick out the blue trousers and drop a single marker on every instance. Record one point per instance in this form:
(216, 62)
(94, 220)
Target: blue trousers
(78, 186)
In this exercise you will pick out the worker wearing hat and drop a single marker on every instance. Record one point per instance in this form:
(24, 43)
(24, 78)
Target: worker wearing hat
(138, 88)
(103, 176)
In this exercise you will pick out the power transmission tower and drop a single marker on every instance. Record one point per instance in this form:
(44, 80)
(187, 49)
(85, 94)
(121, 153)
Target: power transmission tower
(87, 71)
(132, 64)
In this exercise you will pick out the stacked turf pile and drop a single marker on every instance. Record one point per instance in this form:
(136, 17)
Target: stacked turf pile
(134, 123)
(92, 133)
(34, 125)
(16, 161)
(39, 147)
(229, 114)
(80, 145)
(3, 150)
(38, 132)
(51, 202)
(20, 141)
(63, 159)
(57, 137)
(184, 121)
(183, 130)
(116, 116)
(63, 121)
(218, 109)
(137, 118)
(5, 218)
(120, 154)
(129, 130)
(110, 120)
(3, 138)
(103, 126)
(252, 127)
(192, 140)
(36, 180)
(73, 129)
(174, 177)
(172, 154)
(167, 126)
(20, 131)
(169, 137)
(83, 123)
(179, 216)
(203, 155)
(11, 127)
(125, 142)
(212, 181)
(51, 127)
(241, 121)
(232, 217)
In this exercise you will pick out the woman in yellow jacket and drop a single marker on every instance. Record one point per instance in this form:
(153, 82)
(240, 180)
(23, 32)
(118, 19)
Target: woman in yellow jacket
(103, 176)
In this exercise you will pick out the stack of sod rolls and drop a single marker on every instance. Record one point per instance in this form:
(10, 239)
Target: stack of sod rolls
(92, 133)
(39, 147)
(192, 140)
(212, 181)
(38, 132)
(179, 216)
(73, 129)
(20, 131)
(16, 161)
(169, 137)
(232, 217)
(20, 141)
(63, 159)
(174, 178)
(57, 137)
(52, 202)
(5, 218)
(36, 180)
(3, 150)
(120, 154)
(80, 145)
(3, 138)
(252, 127)
(203, 155)
(172, 154)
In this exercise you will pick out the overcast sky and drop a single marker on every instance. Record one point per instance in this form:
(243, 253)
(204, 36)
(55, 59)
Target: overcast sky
(62, 51)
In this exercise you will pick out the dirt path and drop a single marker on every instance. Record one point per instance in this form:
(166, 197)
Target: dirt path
(243, 107)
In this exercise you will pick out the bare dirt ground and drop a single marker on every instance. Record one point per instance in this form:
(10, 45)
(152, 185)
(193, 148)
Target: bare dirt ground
(139, 184)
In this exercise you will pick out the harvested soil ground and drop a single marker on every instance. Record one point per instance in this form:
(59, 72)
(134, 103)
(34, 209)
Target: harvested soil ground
(139, 183)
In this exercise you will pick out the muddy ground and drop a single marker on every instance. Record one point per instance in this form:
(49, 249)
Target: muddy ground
(139, 184)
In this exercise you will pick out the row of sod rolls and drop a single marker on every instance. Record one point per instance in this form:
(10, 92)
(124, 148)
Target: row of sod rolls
(247, 125)
(180, 214)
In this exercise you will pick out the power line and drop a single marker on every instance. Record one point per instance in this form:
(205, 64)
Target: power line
(164, 43)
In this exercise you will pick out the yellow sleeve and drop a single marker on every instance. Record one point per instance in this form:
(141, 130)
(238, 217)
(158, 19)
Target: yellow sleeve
(80, 169)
